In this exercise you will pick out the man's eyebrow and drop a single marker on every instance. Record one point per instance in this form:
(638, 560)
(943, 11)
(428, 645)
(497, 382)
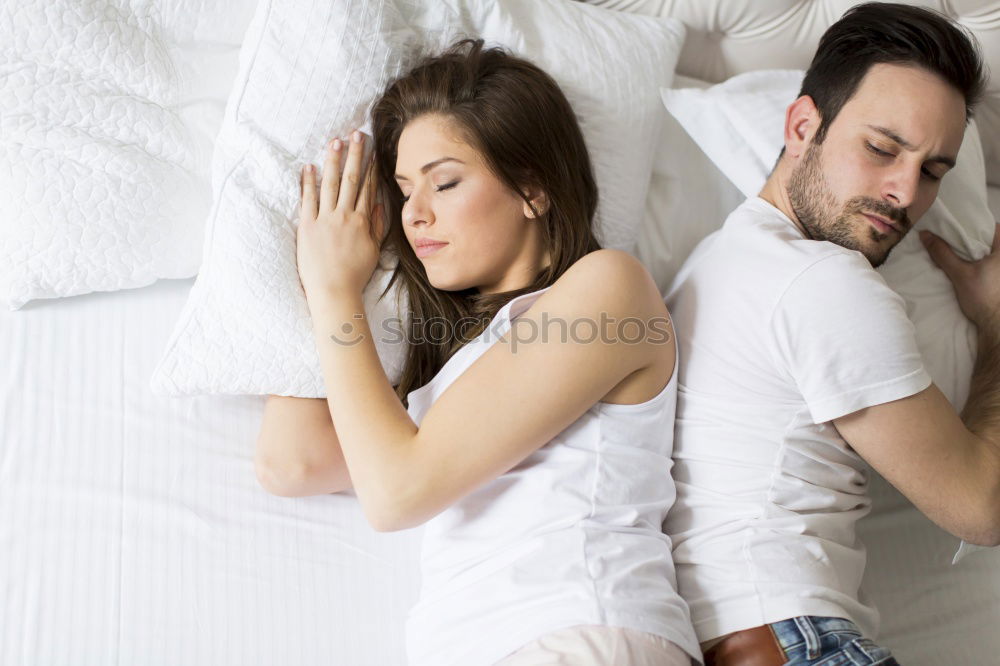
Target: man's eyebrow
(888, 133)
(430, 165)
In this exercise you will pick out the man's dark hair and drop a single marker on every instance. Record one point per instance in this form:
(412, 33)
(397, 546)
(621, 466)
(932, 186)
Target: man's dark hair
(882, 32)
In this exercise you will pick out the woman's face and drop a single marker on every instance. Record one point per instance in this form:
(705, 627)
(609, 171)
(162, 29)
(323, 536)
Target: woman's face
(451, 197)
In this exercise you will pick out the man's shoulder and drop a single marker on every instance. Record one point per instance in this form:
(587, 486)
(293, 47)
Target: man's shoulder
(760, 248)
(778, 241)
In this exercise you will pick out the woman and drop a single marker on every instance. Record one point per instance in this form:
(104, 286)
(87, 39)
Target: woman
(543, 476)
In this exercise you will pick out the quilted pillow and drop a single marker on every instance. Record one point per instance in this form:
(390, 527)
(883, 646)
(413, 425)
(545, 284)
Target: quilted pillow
(246, 326)
(739, 124)
(107, 119)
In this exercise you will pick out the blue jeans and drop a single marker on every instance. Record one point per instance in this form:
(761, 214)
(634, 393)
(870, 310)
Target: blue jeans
(827, 641)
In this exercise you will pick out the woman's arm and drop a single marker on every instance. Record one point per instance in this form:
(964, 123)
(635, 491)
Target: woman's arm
(298, 453)
(521, 393)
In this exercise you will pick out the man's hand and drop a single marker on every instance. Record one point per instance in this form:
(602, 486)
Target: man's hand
(977, 283)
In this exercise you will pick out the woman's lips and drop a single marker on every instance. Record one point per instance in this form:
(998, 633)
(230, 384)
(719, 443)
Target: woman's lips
(426, 250)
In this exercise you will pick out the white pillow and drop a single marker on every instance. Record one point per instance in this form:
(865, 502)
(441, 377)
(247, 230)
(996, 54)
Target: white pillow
(688, 198)
(246, 327)
(106, 126)
(739, 124)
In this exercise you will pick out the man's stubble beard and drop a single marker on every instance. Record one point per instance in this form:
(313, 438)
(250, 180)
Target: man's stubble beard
(814, 203)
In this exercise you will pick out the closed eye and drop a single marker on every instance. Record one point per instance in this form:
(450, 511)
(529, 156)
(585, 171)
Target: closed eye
(446, 186)
(880, 153)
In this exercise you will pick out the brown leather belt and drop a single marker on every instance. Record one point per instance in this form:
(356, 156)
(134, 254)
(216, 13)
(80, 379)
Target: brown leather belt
(750, 647)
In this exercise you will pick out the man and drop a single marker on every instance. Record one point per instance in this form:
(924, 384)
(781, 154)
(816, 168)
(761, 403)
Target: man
(798, 361)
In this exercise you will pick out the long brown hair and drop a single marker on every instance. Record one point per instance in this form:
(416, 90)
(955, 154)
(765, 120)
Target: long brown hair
(517, 118)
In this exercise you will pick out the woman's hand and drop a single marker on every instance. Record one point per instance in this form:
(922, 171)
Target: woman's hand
(338, 237)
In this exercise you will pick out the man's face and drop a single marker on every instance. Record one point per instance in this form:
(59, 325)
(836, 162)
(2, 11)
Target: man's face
(878, 169)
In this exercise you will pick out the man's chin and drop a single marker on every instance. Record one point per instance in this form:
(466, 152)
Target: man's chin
(878, 254)
(875, 251)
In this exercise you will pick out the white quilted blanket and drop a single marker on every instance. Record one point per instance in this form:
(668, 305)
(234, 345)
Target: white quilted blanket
(108, 113)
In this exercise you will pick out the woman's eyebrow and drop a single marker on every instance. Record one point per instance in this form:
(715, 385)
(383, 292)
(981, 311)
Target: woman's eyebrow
(430, 165)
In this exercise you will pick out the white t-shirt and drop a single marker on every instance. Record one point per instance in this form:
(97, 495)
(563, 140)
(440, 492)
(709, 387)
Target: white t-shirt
(778, 336)
(570, 536)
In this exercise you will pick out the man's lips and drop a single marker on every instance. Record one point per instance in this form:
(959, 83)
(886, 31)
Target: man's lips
(884, 224)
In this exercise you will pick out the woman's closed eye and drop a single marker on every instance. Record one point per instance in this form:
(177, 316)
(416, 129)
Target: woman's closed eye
(440, 188)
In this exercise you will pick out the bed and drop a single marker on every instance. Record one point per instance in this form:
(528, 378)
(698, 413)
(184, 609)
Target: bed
(133, 529)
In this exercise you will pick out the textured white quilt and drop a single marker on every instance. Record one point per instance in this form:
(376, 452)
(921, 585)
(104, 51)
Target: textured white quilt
(108, 114)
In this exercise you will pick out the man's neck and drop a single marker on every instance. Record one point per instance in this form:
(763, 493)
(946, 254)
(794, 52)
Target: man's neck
(775, 192)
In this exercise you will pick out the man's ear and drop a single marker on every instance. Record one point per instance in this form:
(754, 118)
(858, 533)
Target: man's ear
(802, 120)
(538, 199)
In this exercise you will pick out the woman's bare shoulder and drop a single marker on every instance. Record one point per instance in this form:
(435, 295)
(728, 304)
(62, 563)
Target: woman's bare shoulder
(611, 281)
(614, 288)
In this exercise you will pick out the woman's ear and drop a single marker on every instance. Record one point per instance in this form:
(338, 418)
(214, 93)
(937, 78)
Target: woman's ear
(539, 200)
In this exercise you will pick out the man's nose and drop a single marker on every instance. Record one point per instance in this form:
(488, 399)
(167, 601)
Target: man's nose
(900, 188)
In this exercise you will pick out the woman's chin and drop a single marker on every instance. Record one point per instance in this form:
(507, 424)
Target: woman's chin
(443, 284)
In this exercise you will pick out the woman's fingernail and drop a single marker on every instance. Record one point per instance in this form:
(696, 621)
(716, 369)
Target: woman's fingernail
(356, 137)
(335, 144)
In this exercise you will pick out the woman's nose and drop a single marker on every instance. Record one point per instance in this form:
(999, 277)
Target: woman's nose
(416, 211)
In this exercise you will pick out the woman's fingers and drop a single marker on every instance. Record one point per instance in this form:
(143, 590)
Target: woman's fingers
(337, 189)
(308, 209)
(331, 175)
(352, 173)
(367, 197)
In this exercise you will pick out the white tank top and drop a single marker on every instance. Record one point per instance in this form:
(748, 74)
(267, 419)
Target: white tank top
(571, 535)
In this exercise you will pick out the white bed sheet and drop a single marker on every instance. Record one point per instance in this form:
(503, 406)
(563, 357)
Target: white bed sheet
(132, 528)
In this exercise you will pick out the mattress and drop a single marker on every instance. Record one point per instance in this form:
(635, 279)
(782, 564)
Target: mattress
(132, 527)
(133, 530)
